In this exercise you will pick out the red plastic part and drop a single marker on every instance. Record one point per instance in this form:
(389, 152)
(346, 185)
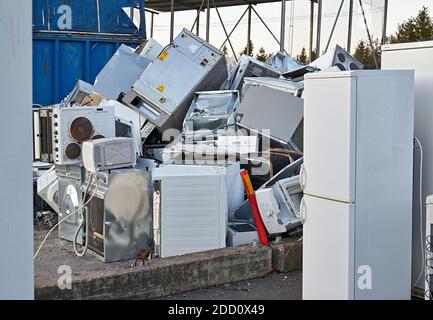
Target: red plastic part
(261, 230)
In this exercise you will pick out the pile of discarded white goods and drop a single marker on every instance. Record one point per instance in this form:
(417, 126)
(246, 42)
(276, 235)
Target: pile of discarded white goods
(174, 150)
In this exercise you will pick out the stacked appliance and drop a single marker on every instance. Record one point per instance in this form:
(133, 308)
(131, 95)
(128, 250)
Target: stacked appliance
(357, 198)
(47, 187)
(284, 115)
(249, 67)
(81, 91)
(70, 179)
(42, 135)
(210, 111)
(241, 233)
(165, 90)
(191, 206)
(71, 126)
(119, 221)
(337, 58)
(282, 62)
(279, 200)
(74, 125)
(279, 205)
(108, 153)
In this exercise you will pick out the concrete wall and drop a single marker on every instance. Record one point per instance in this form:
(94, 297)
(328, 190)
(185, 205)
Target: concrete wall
(16, 222)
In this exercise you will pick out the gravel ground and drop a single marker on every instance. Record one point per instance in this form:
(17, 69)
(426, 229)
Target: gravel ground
(273, 287)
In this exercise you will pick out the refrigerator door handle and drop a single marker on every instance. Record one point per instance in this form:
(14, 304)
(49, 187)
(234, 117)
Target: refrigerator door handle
(303, 177)
(303, 211)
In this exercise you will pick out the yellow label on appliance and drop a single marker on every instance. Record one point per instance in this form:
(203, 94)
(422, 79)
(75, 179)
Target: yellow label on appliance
(163, 56)
(160, 88)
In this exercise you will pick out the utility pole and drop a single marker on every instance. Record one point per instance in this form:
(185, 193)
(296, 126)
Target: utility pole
(283, 25)
(349, 32)
(319, 27)
(172, 22)
(249, 30)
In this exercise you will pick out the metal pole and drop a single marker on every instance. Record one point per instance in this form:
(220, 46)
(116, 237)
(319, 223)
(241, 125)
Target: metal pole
(151, 24)
(319, 27)
(142, 10)
(385, 21)
(197, 31)
(283, 25)
(292, 27)
(349, 32)
(266, 26)
(311, 28)
(98, 15)
(225, 31)
(335, 24)
(208, 21)
(234, 28)
(369, 35)
(197, 19)
(249, 31)
(172, 22)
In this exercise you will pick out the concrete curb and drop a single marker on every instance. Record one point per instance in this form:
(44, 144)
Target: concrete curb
(287, 255)
(164, 277)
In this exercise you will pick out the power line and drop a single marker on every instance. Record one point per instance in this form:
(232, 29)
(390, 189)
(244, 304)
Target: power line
(269, 20)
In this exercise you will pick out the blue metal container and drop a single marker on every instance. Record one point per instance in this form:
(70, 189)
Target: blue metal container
(71, 43)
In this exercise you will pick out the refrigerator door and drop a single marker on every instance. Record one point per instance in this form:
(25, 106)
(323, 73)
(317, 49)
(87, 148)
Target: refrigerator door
(328, 249)
(329, 141)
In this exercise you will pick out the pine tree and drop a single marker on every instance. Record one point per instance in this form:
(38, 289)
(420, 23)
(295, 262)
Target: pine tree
(312, 56)
(261, 55)
(415, 29)
(362, 53)
(250, 46)
(302, 57)
(225, 51)
(424, 25)
(377, 45)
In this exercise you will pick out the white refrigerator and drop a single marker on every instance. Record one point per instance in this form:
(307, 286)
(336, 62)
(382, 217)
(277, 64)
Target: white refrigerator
(357, 182)
(418, 56)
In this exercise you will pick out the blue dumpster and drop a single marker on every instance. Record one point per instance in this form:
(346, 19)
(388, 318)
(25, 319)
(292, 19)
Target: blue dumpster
(74, 39)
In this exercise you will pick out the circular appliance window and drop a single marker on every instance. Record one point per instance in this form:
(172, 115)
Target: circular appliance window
(73, 151)
(81, 129)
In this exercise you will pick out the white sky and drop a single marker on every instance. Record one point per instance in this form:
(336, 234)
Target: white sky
(399, 10)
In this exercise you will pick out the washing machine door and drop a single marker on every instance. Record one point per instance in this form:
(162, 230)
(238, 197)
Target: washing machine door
(70, 204)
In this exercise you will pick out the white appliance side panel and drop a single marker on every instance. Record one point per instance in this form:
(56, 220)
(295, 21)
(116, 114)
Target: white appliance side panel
(384, 184)
(329, 140)
(16, 211)
(164, 75)
(328, 255)
(193, 214)
(420, 60)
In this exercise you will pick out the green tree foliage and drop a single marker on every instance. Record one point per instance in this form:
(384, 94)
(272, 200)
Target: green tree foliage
(312, 56)
(245, 51)
(262, 55)
(364, 53)
(415, 29)
(303, 57)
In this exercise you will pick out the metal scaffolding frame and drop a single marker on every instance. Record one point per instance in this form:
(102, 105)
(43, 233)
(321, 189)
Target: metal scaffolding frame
(206, 6)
